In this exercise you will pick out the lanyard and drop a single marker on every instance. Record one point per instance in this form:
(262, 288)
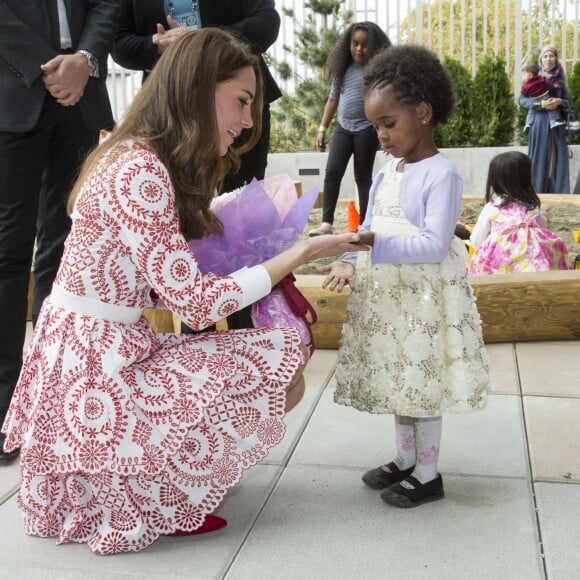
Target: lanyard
(194, 7)
(192, 20)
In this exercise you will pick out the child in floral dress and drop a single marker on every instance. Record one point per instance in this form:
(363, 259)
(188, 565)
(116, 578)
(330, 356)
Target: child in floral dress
(510, 234)
(412, 343)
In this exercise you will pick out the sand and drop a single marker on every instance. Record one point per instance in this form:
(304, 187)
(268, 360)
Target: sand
(563, 219)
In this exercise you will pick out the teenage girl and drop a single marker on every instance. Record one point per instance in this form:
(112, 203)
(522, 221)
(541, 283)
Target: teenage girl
(412, 343)
(511, 234)
(353, 134)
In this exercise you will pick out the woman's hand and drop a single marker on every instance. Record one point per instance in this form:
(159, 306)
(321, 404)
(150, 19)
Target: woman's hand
(308, 249)
(321, 141)
(339, 275)
(329, 245)
(553, 103)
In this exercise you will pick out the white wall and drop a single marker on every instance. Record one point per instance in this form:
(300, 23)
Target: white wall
(471, 162)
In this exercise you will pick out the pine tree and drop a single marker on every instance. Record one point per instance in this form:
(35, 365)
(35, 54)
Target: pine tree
(457, 132)
(494, 109)
(296, 116)
(574, 93)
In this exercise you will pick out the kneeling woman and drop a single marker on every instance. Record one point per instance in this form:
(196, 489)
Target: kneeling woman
(127, 434)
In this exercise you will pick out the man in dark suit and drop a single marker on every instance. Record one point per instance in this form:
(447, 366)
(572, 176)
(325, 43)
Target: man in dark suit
(144, 32)
(53, 102)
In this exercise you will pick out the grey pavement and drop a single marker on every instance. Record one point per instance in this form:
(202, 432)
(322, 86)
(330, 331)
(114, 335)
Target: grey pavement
(511, 511)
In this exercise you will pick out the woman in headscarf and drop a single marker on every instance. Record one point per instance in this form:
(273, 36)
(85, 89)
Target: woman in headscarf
(547, 147)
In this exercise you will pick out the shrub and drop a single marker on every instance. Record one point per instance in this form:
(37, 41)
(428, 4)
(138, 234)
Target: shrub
(493, 105)
(457, 132)
(574, 91)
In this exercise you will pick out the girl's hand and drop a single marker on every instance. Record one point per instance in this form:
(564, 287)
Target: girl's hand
(320, 141)
(367, 238)
(339, 275)
(307, 249)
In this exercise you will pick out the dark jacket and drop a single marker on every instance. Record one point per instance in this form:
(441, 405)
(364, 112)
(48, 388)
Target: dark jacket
(257, 21)
(26, 43)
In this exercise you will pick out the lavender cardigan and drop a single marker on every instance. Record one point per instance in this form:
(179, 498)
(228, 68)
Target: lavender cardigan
(431, 192)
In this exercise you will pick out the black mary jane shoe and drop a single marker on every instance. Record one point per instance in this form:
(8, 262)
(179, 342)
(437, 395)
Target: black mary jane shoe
(400, 496)
(378, 478)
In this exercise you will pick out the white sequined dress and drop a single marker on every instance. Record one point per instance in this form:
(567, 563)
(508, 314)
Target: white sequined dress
(412, 341)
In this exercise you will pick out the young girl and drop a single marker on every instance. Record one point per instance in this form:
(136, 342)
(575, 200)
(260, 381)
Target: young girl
(510, 234)
(412, 343)
(353, 134)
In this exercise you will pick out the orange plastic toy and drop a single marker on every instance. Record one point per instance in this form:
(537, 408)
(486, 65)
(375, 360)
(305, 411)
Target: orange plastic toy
(352, 216)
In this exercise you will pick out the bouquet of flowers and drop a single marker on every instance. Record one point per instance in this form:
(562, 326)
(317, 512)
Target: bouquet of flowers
(260, 221)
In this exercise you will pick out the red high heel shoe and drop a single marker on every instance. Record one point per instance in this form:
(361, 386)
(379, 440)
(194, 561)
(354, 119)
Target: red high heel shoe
(211, 524)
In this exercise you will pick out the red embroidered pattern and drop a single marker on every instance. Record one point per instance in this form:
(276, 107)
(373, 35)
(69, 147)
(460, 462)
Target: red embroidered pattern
(125, 434)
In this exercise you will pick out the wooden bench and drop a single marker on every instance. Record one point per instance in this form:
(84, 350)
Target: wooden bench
(513, 307)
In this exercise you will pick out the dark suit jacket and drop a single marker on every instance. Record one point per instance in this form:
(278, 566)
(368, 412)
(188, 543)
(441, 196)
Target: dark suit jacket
(25, 44)
(256, 20)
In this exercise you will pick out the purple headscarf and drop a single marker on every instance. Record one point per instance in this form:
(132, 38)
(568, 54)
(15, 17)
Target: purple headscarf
(556, 75)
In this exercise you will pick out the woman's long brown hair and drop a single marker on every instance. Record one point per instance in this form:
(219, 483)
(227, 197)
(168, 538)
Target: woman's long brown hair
(174, 114)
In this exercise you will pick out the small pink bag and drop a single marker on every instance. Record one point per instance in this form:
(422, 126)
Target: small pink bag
(286, 306)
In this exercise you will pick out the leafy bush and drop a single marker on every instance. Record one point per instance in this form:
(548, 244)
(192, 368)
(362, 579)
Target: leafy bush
(493, 105)
(574, 91)
(457, 132)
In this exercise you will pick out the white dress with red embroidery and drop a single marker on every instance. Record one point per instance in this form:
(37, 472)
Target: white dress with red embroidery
(127, 434)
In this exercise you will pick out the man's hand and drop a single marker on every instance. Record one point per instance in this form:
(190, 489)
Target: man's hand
(339, 275)
(163, 38)
(65, 77)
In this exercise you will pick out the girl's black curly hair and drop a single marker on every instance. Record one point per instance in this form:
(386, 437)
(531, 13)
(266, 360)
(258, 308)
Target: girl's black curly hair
(340, 57)
(412, 74)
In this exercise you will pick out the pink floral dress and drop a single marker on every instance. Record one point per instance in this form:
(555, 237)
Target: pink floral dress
(126, 434)
(512, 239)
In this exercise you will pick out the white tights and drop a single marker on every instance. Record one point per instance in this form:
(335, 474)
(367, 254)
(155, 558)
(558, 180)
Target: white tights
(418, 440)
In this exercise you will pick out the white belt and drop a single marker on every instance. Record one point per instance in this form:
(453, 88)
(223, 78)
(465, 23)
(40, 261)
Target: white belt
(94, 308)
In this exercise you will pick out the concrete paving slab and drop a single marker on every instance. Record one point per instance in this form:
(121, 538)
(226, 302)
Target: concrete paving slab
(295, 422)
(503, 376)
(559, 516)
(317, 374)
(9, 479)
(203, 557)
(341, 436)
(320, 367)
(321, 522)
(549, 368)
(553, 433)
(488, 442)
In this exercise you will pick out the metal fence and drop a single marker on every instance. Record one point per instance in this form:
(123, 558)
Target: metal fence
(466, 30)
